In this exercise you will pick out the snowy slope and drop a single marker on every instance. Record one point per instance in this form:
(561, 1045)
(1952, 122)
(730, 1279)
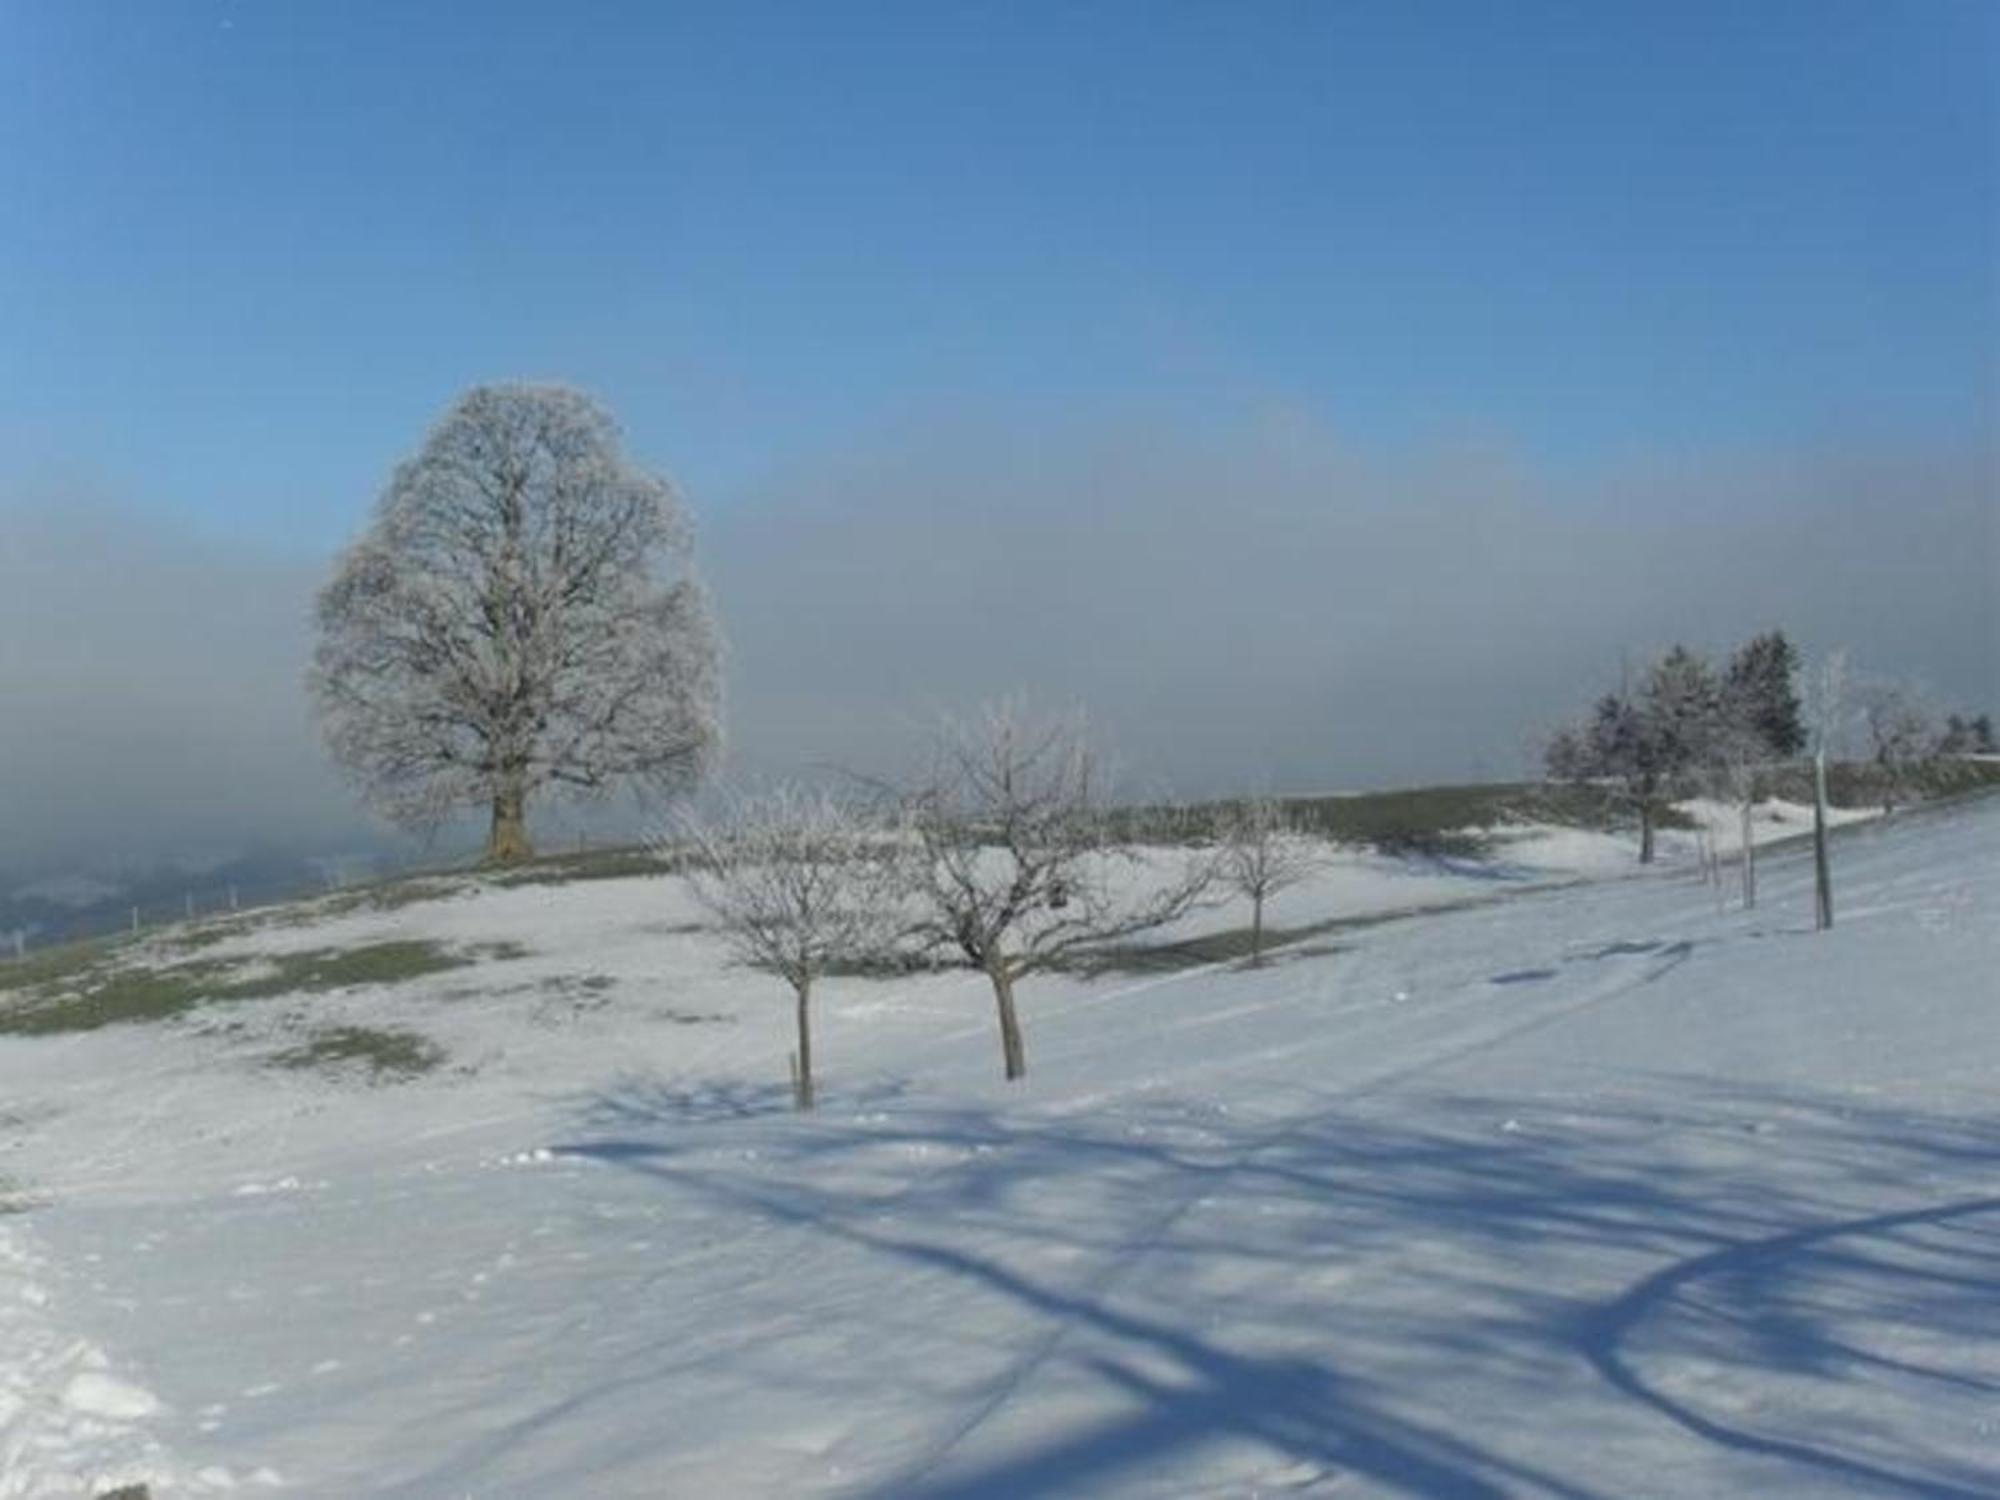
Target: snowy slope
(1589, 1192)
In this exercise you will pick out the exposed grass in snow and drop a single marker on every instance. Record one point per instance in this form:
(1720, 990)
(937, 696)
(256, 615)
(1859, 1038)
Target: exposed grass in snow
(1453, 822)
(108, 993)
(594, 864)
(1862, 785)
(388, 1055)
(1233, 945)
(52, 965)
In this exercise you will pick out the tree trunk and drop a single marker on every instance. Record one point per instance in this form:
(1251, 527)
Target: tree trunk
(507, 840)
(802, 1085)
(1645, 830)
(1257, 932)
(1749, 857)
(1012, 1052)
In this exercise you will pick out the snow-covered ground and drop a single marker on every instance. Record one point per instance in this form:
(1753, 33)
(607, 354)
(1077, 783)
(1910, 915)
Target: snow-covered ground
(1585, 1191)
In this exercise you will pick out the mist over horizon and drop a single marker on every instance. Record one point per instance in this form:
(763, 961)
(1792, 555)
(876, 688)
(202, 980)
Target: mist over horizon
(1255, 606)
(1321, 397)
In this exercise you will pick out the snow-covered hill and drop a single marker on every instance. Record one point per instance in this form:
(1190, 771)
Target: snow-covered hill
(1578, 1191)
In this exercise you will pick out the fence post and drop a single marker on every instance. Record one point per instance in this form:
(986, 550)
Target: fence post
(1822, 873)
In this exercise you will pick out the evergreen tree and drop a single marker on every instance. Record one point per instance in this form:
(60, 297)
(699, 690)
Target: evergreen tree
(1963, 736)
(1761, 690)
(1619, 743)
(1682, 704)
(1643, 745)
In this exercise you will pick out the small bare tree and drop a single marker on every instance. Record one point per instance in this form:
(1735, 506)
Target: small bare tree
(1900, 737)
(798, 882)
(1736, 754)
(520, 618)
(1015, 865)
(1261, 853)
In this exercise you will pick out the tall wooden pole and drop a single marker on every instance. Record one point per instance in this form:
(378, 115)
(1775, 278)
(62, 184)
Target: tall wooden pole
(1822, 875)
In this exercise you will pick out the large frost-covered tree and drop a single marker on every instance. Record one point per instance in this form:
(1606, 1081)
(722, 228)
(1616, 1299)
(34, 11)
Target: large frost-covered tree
(520, 618)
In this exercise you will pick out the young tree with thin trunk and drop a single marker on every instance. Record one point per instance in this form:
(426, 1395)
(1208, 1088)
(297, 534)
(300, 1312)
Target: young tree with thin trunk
(798, 882)
(1261, 853)
(519, 619)
(1641, 746)
(1901, 740)
(1759, 721)
(1737, 753)
(1015, 866)
(1617, 746)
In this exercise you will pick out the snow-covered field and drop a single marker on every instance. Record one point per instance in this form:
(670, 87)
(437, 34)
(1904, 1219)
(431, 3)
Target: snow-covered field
(1580, 1191)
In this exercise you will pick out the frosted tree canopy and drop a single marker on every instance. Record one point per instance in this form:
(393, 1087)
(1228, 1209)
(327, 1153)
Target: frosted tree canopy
(520, 618)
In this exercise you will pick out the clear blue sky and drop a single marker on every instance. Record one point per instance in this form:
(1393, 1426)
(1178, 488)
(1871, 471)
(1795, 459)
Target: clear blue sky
(247, 250)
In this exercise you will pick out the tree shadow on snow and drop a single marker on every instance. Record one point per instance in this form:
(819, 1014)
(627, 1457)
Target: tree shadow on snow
(1585, 1246)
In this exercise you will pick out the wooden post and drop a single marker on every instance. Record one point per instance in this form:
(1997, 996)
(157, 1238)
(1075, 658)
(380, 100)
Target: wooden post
(1749, 853)
(1822, 874)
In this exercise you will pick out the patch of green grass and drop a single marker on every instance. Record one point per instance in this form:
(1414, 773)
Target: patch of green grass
(385, 1054)
(321, 969)
(622, 863)
(1234, 945)
(1863, 785)
(1437, 822)
(1187, 953)
(112, 998)
(53, 965)
(207, 934)
(110, 995)
(502, 951)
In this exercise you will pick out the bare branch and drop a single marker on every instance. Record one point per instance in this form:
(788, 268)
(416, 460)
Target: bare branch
(1015, 866)
(797, 883)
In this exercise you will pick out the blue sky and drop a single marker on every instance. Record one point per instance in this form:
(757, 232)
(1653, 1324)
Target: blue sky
(1325, 394)
(250, 250)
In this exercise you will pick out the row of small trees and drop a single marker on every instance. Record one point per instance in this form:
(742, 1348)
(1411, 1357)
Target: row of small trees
(1687, 724)
(1689, 727)
(1003, 858)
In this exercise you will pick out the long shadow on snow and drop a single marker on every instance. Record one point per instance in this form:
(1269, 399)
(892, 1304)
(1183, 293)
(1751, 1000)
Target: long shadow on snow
(1723, 1249)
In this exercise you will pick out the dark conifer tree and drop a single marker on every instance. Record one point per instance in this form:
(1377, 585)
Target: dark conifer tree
(1761, 688)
